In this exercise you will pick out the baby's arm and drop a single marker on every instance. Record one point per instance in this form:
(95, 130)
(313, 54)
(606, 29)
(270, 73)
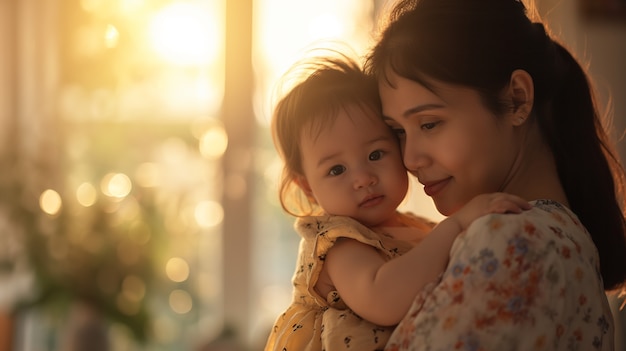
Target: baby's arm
(382, 291)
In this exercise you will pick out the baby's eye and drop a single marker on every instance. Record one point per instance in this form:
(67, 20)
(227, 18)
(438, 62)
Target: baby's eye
(336, 170)
(376, 155)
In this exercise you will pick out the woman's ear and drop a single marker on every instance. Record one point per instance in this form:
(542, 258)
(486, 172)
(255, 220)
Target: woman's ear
(521, 93)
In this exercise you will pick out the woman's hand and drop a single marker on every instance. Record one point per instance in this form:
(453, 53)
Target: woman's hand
(488, 203)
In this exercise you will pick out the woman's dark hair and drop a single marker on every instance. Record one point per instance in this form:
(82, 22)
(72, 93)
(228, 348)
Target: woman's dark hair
(478, 44)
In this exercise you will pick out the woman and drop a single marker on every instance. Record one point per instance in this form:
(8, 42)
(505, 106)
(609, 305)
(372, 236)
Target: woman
(484, 100)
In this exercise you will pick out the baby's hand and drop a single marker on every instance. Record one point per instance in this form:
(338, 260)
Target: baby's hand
(489, 203)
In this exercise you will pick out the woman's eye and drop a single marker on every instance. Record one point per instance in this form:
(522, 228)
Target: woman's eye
(398, 132)
(429, 126)
(376, 155)
(336, 170)
(400, 135)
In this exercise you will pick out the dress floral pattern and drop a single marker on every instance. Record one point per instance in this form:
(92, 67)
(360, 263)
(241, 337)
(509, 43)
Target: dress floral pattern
(529, 281)
(315, 323)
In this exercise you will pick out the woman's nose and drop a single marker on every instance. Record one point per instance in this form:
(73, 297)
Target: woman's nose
(414, 155)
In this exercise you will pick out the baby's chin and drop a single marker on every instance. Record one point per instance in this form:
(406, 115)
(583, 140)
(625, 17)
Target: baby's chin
(390, 220)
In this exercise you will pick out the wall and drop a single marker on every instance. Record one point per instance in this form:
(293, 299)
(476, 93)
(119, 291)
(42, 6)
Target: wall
(599, 43)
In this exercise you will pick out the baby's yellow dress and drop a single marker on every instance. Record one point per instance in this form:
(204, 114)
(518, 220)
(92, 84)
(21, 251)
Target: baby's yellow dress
(313, 322)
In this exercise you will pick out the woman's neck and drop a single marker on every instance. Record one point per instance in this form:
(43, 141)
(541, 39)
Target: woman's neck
(536, 176)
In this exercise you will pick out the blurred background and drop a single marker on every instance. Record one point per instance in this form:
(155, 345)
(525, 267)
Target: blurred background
(138, 205)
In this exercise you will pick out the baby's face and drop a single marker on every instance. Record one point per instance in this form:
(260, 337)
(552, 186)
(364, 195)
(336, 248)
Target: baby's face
(354, 167)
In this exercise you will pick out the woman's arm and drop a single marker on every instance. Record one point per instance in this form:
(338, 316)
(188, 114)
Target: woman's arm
(382, 291)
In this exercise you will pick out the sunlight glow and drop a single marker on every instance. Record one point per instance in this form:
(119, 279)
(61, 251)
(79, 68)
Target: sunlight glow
(130, 6)
(185, 34)
(111, 36)
(326, 25)
(302, 26)
(91, 5)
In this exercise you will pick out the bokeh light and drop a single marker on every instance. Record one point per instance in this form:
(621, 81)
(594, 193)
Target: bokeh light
(116, 185)
(86, 194)
(177, 269)
(209, 214)
(213, 143)
(50, 202)
(180, 301)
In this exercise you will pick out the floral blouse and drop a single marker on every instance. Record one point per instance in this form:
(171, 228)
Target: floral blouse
(315, 323)
(528, 281)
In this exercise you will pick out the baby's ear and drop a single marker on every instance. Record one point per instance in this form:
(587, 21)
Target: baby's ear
(521, 94)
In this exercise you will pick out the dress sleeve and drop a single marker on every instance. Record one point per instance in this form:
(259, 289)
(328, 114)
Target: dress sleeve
(319, 236)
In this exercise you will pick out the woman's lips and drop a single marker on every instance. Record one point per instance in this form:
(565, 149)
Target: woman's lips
(433, 188)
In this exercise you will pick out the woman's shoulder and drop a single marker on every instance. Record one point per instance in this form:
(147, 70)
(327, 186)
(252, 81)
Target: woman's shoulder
(542, 236)
(541, 211)
(546, 218)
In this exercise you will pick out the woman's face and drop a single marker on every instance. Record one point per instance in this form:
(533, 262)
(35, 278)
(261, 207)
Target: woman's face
(453, 144)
